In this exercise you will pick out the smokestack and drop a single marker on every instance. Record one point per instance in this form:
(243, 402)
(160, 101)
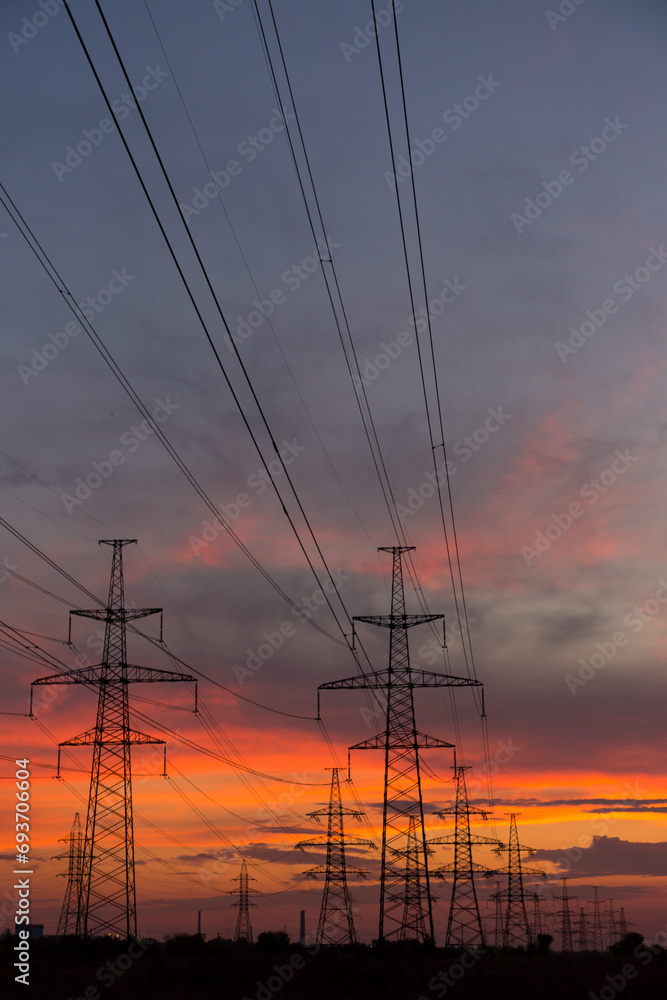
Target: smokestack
(199, 922)
(302, 931)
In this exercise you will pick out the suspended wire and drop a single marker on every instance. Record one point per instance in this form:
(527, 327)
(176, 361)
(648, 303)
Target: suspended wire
(204, 326)
(56, 279)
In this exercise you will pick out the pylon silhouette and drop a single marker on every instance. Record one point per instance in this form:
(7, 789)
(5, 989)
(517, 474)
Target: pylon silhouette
(500, 920)
(464, 924)
(583, 930)
(243, 926)
(597, 921)
(516, 929)
(336, 923)
(566, 922)
(402, 744)
(622, 924)
(107, 901)
(613, 933)
(74, 855)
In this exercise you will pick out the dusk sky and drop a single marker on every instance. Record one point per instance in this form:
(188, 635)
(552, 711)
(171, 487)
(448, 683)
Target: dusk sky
(539, 163)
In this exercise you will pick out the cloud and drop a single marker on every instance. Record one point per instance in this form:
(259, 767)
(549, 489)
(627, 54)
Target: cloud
(609, 856)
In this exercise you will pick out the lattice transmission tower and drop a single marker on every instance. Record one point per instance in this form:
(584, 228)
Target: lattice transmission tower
(516, 927)
(597, 922)
(74, 856)
(567, 943)
(464, 924)
(336, 923)
(107, 901)
(243, 926)
(622, 924)
(402, 744)
(583, 929)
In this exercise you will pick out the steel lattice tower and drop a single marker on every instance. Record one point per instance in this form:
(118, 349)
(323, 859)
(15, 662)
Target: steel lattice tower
(107, 902)
(500, 923)
(597, 922)
(566, 921)
(74, 855)
(516, 929)
(401, 743)
(583, 930)
(413, 924)
(336, 924)
(622, 924)
(464, 925)
(613, 933)
(243, 926)
(537, 914)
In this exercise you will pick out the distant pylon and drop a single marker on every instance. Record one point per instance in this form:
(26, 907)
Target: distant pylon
(243, 927)
(74, 855)
(583, 930)
(597, 922)
(516, 930)
(566, 922)
(107, 902)
(500, 922)
(464, 925)
(613, 933)
(622, 923)
(537, 915)
(402, 744)
(413, 926)
(336, 924)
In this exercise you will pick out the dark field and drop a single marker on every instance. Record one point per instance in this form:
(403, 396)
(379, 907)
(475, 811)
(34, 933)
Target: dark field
(191, 968)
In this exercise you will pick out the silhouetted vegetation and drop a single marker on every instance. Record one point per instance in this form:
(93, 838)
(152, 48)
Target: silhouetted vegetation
(187, 967)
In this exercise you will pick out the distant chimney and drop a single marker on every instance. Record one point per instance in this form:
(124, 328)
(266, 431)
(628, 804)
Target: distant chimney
(198, 921)
(302, 931)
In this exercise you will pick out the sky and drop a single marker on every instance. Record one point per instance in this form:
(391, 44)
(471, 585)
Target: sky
(538, 157)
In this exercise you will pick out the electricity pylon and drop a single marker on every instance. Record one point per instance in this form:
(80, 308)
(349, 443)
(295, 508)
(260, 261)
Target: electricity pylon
(243, 925)
(537, 914)
(107, 901)
(613, 933)
(583, 930)
(622, 924)
(566, 921)
(597, 921)
(500, 922)
(516, 929)
(336, 924)
(464, 925)
(401, 743)
(74, 855)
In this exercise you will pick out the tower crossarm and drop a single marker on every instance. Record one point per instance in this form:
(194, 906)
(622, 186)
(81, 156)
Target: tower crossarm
(455, 868)
(524, 871)
(407, 678)
(397, 621)
(322, 870)
(349, 842)
(107, 739)
(475, 838)
(117, 615)
(105, 674)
